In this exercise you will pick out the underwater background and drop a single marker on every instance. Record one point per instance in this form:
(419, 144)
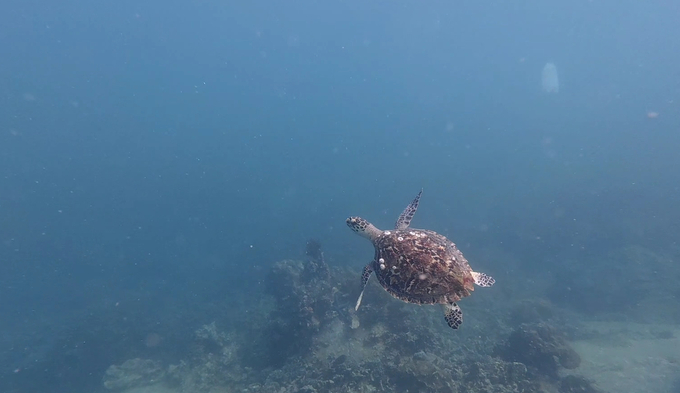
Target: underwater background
(175, 177)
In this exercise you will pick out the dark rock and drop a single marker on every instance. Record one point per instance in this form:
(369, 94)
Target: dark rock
(568, 357)
(541, 348)
(576, 384)
(339, 361)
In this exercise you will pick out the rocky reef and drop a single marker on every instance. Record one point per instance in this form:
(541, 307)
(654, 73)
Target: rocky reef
(303, 304)
(547, 355)
(305, 336)
(541, 347)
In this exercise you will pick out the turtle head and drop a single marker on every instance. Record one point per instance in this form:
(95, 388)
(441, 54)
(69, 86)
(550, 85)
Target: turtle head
(363, 228)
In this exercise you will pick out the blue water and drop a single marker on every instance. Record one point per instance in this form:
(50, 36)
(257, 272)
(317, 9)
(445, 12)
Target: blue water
(160, 156)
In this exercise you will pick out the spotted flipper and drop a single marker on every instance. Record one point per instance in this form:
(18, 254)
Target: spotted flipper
(365, 275)
(407, 215)
(453, 315)
(482, 279)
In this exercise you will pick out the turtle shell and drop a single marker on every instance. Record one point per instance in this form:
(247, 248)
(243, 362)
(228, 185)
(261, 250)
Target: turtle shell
(422, 267)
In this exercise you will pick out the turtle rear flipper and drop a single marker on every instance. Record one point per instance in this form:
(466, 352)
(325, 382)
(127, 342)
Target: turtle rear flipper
(453, 315)
(483, 280)
(365, 275)
(407, 215)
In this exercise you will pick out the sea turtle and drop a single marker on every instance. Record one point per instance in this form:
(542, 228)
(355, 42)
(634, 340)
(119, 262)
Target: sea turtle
(419, 266)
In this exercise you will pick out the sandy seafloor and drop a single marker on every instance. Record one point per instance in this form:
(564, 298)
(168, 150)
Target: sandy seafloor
(621, 358)
(631, 357)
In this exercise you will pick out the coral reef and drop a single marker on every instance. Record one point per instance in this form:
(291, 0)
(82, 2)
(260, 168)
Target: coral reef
(213, 362)
(303, 304)
(419, 372)
(305, 336)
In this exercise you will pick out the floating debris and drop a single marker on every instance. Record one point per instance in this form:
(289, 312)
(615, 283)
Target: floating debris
(550, 81)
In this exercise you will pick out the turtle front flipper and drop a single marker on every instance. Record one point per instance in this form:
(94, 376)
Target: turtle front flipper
(365, 275)
(483, 280)
(453, 315)
(407, 215)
